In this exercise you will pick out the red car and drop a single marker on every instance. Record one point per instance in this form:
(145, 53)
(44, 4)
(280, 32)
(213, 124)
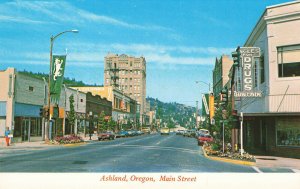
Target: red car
(202, 138)
(106, 135)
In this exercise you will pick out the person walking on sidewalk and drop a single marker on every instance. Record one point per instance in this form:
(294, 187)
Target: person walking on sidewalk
(7, 132)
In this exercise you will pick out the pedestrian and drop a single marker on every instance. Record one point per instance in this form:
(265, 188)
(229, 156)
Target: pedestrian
(7, 132)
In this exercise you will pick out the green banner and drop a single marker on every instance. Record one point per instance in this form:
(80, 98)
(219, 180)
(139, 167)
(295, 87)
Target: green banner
(205, 108)
(57, 76)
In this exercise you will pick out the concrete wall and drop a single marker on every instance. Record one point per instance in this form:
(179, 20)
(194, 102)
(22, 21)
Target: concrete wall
(23, 94)
(79, 100)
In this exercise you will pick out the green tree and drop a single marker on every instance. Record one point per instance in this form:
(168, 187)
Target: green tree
(72, 115)
(223, 113)
(101, 123)
(111, 124)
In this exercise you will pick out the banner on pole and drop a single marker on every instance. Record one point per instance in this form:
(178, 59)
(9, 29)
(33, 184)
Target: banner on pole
(205, 100)
(57, 76)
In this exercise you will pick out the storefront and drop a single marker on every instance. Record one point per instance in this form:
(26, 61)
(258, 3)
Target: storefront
(273, 135)
(27, 123)
(27, 129)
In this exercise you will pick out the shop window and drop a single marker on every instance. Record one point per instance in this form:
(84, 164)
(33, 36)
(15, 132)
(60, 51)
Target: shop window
(288, 58)
(288, 132)
(35, 127)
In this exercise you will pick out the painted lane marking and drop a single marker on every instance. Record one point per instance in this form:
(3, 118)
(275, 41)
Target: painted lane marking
(256, 169)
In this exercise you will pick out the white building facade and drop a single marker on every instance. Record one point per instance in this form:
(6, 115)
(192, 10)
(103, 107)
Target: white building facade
(272, 122)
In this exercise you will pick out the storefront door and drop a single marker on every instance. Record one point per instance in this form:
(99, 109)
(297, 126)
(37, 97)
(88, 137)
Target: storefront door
(26, 130)
(263, 135)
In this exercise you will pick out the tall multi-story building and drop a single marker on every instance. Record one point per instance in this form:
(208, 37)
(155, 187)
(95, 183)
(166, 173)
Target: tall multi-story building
(128, 74)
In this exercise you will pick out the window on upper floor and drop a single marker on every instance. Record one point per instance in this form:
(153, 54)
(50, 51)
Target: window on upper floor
(262, 68)
(288, 58)
(30, 88)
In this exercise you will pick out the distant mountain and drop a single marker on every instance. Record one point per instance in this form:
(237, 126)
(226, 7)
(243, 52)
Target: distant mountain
(67, 81)
(173, 114)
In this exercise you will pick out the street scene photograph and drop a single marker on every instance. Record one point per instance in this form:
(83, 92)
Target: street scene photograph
(150, 92)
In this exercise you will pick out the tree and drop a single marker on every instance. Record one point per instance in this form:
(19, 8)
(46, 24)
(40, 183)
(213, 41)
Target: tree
(71, 115)
(110, 124)
(223, 113)
(101, 122)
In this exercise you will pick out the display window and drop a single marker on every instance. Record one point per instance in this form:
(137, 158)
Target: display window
(288, 132)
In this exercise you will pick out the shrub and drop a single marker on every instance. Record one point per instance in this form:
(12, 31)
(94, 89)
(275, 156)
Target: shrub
(70, 139)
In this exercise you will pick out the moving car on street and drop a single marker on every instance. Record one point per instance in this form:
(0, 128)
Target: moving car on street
(109, 135)
(165, 131)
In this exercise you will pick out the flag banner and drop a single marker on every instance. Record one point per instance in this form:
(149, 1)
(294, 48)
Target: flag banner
(57, 76)
(205, 110)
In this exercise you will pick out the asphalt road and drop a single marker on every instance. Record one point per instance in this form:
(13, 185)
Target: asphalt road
(148, 153)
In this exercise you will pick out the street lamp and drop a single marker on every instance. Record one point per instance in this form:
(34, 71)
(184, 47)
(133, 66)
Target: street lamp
(209, 91)
(208, 84)
(49, 95)
(90, 124)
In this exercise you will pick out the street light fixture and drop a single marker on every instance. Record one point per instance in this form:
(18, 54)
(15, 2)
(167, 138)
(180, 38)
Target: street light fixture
(208, 84)
(90, 124)
(52, 38)
(209, 91)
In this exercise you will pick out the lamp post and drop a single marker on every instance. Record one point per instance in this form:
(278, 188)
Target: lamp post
(90, 124)
(50, 73)
(208, 84)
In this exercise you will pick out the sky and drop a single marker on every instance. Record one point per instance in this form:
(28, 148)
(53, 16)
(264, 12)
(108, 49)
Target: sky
(180, 39)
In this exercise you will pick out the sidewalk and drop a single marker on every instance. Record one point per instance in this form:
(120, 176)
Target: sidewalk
(37, 144)
(279, 162)
(263, 162)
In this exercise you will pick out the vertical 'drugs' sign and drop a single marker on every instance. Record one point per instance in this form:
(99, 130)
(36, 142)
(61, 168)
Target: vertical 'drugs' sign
(57, 76)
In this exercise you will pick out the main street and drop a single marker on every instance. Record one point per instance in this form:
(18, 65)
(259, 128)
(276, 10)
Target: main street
(148, 153)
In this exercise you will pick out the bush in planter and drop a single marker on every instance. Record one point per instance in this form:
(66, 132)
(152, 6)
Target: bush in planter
(71, 139)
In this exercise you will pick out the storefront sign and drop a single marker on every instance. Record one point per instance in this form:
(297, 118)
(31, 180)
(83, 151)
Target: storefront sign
(247, 94)
(247, 56)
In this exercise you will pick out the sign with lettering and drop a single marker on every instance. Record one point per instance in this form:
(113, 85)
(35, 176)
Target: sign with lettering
(247, 56)
(247, 59)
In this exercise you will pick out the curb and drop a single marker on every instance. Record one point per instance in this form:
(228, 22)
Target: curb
(239, 162)
(76, 144)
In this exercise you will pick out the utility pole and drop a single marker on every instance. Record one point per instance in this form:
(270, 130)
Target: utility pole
(241, 134)
(196, 117)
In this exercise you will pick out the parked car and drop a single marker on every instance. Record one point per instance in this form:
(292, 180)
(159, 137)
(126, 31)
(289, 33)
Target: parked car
(140, 132)
(190, 133)
(165, 131)
(122, 133)
(179, 132)
(204, 131)
(131, 133)
(202, 138)
(106, 135)
(146, 130)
